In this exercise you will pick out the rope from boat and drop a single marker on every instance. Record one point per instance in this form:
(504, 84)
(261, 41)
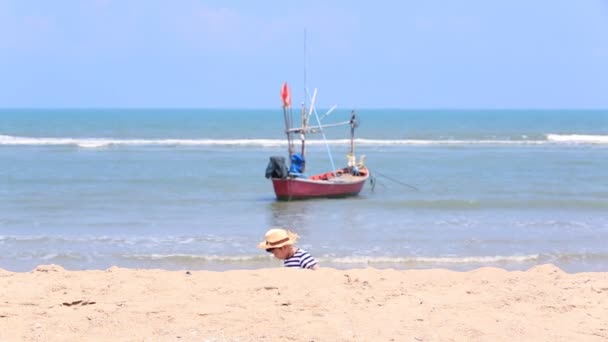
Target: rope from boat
(397, 181)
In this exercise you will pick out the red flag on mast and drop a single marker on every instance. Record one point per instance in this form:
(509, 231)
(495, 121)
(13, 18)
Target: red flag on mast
(285, 95)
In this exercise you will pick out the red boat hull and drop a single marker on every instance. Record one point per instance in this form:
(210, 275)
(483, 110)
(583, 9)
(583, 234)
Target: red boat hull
(319, 186)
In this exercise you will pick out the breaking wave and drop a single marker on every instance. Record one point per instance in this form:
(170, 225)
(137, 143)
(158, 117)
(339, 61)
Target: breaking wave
(578, 138)
(550, 139)
(437, 260)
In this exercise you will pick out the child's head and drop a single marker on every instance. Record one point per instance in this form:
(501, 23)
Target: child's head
(279, 242)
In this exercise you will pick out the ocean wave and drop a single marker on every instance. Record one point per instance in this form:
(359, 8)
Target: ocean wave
(367, 259)
(47, 256)
(435, 260)
(111, 240)
(550, 139)
(107, 142)
(340, 260)
(95, 260)
(177, 257)
(565, 203)
(578, 138)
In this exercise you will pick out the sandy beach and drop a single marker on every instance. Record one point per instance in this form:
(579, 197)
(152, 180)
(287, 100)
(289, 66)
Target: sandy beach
(487, 304)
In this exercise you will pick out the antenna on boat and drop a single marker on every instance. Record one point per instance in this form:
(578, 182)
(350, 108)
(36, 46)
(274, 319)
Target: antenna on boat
(312, 109)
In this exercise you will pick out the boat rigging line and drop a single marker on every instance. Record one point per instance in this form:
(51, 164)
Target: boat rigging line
(313, 109)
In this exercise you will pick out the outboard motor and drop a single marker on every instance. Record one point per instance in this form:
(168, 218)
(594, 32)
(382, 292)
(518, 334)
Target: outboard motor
(276, 168)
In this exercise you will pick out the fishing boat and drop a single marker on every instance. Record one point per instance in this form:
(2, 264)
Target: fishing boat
(291, 183)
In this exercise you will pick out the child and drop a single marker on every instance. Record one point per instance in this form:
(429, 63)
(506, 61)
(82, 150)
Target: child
(280, 242)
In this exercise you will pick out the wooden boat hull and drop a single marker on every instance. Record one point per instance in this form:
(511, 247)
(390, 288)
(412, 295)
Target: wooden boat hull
(328, 185)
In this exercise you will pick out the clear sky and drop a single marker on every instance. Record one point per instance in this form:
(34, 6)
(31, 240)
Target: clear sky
(360, 54)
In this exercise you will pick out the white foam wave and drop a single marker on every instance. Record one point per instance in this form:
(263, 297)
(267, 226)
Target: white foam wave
(578, 138)
(552, 139)
(370, 260)
(107, 142)
(381, 142)
(111, 240)
(344, 260)
(436, 260)
(183, 257)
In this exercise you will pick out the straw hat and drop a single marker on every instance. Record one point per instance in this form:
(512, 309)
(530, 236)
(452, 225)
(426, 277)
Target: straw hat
(278, 237)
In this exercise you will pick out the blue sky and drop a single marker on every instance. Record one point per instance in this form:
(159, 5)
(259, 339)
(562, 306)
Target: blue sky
(360, 54)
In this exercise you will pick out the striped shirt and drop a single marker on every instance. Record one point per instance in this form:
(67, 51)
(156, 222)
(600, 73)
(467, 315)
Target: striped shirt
(300, 258)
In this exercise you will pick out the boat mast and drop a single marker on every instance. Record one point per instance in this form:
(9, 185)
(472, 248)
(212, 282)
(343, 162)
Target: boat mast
(303, 132)
(288, 132)
(305, 86)
(352, 132)
(286, 97)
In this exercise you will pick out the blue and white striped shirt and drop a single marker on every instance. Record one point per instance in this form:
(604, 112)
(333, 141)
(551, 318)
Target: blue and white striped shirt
(300, 258)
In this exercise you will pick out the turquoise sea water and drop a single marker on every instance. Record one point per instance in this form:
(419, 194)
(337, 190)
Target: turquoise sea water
(185, 189)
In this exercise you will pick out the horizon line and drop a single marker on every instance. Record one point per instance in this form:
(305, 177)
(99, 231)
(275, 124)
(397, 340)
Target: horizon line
(279, 108)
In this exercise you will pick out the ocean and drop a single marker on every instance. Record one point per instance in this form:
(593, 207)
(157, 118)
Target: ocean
(185, 189)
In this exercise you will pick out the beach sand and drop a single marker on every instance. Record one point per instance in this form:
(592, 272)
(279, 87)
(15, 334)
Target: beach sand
(487, 304)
